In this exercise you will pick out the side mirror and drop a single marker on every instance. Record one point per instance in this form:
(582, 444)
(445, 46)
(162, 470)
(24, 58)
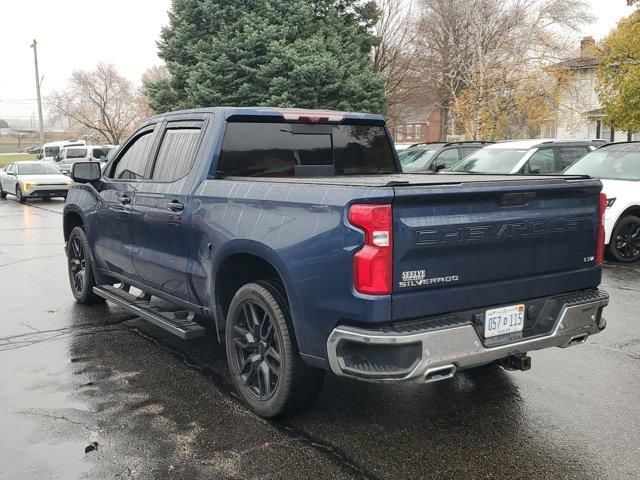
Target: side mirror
(39, 156)
(86, 172)
(439, 166)
(534, 170)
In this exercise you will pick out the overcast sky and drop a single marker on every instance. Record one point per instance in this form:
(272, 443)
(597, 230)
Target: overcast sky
(77, 34)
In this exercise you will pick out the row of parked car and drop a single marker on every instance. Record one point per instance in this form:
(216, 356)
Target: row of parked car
(616, 164)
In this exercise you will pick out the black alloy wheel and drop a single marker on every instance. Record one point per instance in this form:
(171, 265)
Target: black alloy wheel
(77, 265)
(81, 277)
(625, 240)
(265, 364)
(257, 349)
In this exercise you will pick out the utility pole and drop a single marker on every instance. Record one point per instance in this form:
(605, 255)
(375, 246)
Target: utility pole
(34, 45)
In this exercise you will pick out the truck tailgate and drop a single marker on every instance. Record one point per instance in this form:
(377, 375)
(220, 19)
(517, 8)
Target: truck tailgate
(480, 244)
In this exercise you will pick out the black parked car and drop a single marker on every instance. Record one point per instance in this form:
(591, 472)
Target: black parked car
(436, 156)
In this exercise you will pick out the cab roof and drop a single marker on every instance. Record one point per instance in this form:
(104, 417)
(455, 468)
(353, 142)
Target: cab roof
(285, 113)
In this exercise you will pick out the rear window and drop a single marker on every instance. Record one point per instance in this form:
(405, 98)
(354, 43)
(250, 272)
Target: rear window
(299, 150)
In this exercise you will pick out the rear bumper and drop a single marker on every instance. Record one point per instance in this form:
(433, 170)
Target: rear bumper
(444, 345)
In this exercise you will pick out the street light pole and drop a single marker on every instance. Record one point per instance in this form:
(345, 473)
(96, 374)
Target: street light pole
(34, 45)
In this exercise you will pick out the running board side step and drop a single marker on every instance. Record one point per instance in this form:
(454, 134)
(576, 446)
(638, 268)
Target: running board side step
(179, 323)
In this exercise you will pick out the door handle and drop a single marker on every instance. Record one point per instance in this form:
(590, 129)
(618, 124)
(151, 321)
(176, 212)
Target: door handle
(124, 199)
(175, 206)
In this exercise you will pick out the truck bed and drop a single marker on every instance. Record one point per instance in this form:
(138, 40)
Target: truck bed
(402, 179)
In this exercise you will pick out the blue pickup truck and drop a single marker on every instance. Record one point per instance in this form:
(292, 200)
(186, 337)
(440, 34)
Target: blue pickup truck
(292, 235)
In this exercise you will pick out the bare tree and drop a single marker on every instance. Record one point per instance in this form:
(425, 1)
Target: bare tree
(396, 56)
(101, 103)
(484, 56)
(22, 135)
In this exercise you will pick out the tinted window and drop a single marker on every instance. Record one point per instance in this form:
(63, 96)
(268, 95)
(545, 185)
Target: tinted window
(448, 158)
(466, 151)
(132, 164)
(177, 153)
(568, 155)
(99, 153)
(286, 150)
(542, 161)
(51, 151)
(76, 153)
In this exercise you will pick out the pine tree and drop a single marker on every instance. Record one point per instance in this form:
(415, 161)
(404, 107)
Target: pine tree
(283, 53)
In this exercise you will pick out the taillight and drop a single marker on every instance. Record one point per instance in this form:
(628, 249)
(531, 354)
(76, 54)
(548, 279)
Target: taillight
(600, 229)
(372, 264)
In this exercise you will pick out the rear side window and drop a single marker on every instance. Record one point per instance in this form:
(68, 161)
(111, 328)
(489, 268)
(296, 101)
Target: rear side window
(568, 155)
(132, 164)
(177, 154)
(288, 150)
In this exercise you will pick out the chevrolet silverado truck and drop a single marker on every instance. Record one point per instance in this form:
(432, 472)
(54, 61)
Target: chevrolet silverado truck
(294, 237)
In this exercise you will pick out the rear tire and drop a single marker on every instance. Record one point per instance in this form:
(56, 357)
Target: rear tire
(261, 345)
(81, 277)
(19, 196)
(624, 245)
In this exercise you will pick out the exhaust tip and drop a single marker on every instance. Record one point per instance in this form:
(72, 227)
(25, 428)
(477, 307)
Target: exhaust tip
(440, 373)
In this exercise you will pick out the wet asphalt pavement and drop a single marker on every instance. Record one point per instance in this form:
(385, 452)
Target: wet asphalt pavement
(90, 392)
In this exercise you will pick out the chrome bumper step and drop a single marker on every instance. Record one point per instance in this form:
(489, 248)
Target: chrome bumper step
(428, 351)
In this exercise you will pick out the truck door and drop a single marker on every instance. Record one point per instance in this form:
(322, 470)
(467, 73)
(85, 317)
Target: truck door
(161, 218)
(113, 237)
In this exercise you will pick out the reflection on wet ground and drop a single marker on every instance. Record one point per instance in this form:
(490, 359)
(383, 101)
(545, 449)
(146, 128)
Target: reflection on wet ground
(153, 406)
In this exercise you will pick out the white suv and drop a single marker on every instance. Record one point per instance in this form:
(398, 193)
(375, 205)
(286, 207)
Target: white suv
(538, 156)
(87, 153)
(618, 166)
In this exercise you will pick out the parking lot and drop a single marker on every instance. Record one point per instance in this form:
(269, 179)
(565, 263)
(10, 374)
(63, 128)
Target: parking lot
(94, 393)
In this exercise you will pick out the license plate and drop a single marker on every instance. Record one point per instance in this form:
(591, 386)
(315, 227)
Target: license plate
(500, 321)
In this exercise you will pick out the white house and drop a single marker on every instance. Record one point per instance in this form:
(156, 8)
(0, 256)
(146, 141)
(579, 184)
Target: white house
(578, 114)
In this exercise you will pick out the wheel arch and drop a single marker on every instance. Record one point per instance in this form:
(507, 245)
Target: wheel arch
(71, 220)
(246, 262)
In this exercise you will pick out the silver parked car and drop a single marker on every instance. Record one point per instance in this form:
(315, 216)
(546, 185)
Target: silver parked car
(33, 180)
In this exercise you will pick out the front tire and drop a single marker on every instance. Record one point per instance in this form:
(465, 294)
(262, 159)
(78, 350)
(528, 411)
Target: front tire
(3, 194)
(19, 196)
(262, 352)
(624, 245)
(81, 277)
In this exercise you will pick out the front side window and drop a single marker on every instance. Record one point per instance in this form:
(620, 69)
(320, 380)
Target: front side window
(415, 159)
(51, 151)
(132, 163)
(287, 150)
(447, 159)
(542, 161)
(177, 154)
